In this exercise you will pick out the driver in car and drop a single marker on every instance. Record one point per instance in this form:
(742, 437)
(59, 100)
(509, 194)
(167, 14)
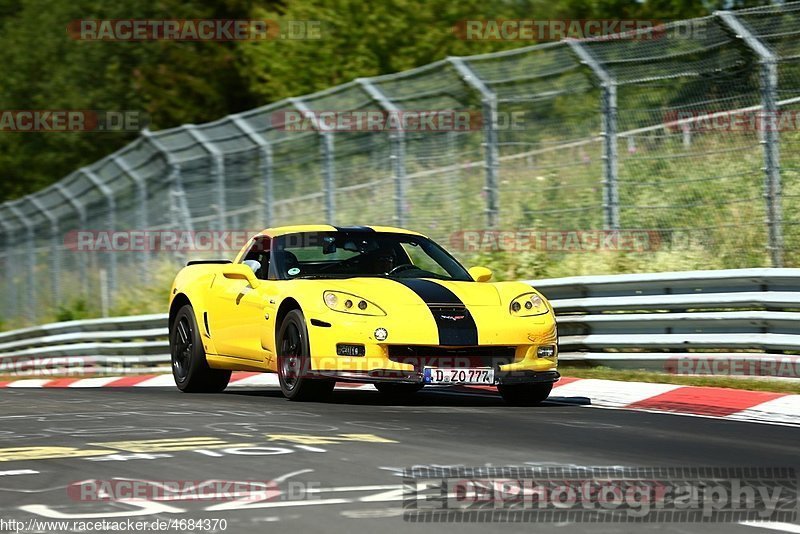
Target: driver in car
(384, 261)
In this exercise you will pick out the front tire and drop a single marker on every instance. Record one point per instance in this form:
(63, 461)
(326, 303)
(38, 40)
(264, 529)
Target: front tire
(525, 394)
(294, 362)
(189, 366)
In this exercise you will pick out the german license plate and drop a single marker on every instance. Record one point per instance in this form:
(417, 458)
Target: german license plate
(434, 375)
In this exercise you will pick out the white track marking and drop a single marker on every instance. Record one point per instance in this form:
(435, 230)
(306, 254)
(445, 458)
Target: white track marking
(781, 410)
(284, 478)
(261, 379)
(18, 472)
(94, 382)
(612, 392)
(782, 527)
(157, 381)
(143, 508)
(376, 487)
(309, 448)
(34, 383)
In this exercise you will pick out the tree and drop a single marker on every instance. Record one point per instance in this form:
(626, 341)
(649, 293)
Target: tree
(45, 69)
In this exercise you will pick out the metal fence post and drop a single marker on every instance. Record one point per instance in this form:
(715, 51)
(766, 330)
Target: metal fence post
(772, 165)
(492, 158)
(30, 265)
(177, 192)
(112, 225)
(81, 211)
(328, 177)
(398, 156)
(608, 106)
(264, 164)
(769, 133)
(327, 148)
(55, 249)
(180, 214)
(219, 172)
(9, 270)
(141, 209)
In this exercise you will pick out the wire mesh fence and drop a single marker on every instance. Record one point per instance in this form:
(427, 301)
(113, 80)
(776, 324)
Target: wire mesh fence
(687, 129)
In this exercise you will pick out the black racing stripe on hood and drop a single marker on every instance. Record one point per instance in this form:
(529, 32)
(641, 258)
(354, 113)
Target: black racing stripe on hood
(453, 320)
(430, 292)
(353, 229)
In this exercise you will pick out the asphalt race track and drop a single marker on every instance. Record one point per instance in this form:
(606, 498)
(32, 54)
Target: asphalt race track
(347, 455)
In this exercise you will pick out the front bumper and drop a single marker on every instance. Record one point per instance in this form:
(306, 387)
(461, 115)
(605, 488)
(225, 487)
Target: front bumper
(415, 377)
(506, 344)
(511, 364)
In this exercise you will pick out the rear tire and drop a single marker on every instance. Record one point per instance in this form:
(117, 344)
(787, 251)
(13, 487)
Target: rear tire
(525, 394)
(189, 366)
(294, 362)
(397, 391)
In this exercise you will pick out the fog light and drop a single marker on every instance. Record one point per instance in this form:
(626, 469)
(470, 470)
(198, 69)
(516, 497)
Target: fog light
(515, 306)
(381, 334)
(545, 351)
(362, 305)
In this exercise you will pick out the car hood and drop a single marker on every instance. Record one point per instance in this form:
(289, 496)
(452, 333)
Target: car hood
(409, 291)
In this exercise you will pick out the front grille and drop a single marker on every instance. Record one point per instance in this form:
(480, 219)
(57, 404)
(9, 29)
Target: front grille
(426, 356)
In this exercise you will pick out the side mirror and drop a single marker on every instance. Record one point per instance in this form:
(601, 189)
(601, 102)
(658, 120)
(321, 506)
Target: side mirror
(480, 274)
(253, 264)
(240, 271)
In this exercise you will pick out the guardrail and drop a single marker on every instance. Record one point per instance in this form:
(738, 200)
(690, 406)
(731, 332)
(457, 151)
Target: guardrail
(738, 321)
(741, 321)
(115, 345)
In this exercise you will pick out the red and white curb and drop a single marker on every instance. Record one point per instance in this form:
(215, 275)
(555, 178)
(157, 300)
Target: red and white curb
(725, 403)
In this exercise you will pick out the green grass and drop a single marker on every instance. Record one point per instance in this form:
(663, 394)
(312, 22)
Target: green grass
(752, 384)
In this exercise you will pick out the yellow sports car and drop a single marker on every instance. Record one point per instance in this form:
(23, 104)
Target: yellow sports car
(319, 304)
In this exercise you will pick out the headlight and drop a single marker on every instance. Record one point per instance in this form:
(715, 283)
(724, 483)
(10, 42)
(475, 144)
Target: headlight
(347, 303)
(527, 305)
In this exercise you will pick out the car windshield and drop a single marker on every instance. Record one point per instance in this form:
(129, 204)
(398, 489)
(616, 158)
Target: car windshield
(363, 253)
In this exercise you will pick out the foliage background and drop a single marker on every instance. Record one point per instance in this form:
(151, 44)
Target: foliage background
(182, 82)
